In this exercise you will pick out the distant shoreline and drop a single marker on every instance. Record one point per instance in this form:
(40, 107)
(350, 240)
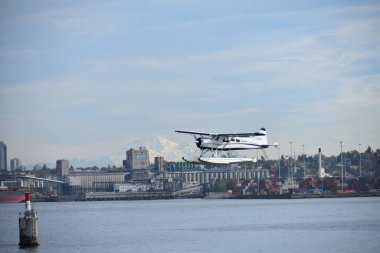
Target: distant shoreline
(311, 195)
(110, 196)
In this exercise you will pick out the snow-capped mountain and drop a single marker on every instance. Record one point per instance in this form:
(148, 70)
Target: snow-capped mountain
(157, 146)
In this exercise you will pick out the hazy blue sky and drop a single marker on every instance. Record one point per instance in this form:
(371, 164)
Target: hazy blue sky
(83, 78)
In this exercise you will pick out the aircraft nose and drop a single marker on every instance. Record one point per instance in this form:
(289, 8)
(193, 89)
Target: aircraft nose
(198, 142)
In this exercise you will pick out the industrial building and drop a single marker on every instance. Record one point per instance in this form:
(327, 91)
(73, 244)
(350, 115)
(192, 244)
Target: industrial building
(207, 176)
(138, 159)
(139, 176)
(81, 182)
(138, 164)
(62, 168)
(130, 187)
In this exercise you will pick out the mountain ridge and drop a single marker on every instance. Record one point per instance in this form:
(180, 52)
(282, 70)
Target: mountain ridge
(156, 146)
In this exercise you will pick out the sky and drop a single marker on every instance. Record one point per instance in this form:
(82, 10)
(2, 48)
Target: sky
(83, 78)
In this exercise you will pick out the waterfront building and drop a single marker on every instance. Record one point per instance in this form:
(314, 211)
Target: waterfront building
(15, 164)
(138, 159)
(93, 181)
(3, 156)
(128, 187)
(138, 163)
(176, 166)
(62, 168)
(83, 182)
(210, 175)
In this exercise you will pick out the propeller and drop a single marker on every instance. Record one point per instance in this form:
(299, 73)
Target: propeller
(198, 142)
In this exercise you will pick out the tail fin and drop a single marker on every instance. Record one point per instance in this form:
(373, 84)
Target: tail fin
(261, 138)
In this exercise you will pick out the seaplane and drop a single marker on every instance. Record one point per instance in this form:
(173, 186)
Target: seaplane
(211, 145)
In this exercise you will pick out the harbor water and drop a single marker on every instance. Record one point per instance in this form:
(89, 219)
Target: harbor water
(198, 225)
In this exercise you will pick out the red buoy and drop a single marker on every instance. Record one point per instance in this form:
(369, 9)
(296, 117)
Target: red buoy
(28, 205)
(27, 196)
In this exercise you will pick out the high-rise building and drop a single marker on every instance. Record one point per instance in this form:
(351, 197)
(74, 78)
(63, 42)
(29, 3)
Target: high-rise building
(138, 159)
(159, 163)
(37, 167)
(15, 164)
(3, 156)
(63, 168)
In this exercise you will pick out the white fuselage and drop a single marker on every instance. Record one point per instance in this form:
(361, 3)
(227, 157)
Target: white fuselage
(232, 143)
(225, 142)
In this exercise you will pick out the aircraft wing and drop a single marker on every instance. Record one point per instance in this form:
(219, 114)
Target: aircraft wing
(221, 135)
(191, 132)
(239, 135)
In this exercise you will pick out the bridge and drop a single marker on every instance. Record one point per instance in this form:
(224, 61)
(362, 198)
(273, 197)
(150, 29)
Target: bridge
(41, 179)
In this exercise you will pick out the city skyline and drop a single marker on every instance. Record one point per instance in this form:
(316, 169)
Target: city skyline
(80, 80)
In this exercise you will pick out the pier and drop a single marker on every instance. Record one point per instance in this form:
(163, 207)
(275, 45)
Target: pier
(91, 196)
